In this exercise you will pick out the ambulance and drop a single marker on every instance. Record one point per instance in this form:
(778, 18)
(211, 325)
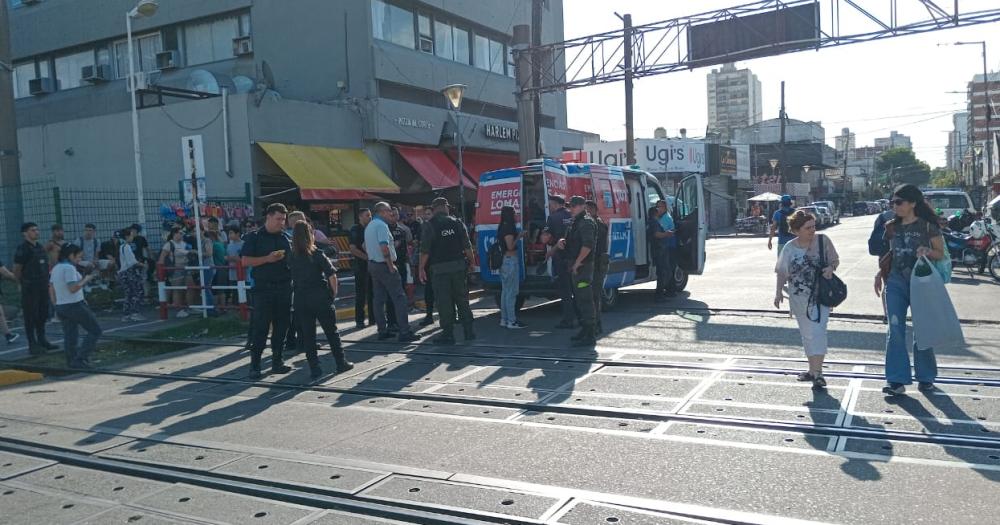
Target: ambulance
(623, 196)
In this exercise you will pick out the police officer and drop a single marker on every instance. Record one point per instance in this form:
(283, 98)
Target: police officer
(600, 262)
(265, 250)
(555, 228)
(578, 249)
(447, 255)
(31, 267)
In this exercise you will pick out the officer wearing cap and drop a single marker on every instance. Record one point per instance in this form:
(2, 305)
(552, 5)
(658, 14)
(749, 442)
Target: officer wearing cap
(555, 228)
(601, 261)
(578, 249)
(447, 252)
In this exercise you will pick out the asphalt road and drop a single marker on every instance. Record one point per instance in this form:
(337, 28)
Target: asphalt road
(681, 414)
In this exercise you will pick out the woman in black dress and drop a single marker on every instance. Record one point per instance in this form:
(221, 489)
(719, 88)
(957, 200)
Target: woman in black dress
(315, 282)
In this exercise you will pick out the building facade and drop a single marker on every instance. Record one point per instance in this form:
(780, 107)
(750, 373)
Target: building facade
(958, 142)
(894, 140)
(310, 86)
(977, 125)
(734, 100)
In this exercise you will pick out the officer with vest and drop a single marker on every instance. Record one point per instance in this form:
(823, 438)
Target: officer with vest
(555, 228)
(601, 261)
(447, 254)
(578, 250)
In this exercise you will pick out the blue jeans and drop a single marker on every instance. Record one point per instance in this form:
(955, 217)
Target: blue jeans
(73, 316)
(208, 282)
(510, 282)
(897, 358)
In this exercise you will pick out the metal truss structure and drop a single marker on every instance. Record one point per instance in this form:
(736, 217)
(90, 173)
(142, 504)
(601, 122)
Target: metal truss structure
(662, 47)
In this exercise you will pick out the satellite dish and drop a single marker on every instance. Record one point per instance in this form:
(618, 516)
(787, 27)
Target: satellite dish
(265, 70)
(266, 85)
(243, 84)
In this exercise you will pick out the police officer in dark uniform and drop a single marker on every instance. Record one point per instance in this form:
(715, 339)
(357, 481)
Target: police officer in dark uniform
(31, 267)
(555, 228)
(447, 253)
(600, 262)
(578, 249)
(265, 251)
(359, 265)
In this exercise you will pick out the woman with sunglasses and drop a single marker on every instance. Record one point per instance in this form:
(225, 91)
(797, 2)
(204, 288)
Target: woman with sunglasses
(913, 234)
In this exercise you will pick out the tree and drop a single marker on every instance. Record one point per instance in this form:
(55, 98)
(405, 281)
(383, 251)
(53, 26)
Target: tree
(944, 178)
(903, 167)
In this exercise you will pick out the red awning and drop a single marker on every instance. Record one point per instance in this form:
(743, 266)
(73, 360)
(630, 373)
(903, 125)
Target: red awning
(475, 163)
(434, 166)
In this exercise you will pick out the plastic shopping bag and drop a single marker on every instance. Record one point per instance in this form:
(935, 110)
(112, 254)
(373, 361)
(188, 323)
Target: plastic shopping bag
(935, 323)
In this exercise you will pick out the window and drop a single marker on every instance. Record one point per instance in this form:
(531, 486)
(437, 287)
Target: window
(245, 24)
(481, 52)
(210, 41)
(497, 59)
(511, 66)
(145, 49)
(462, 46)
(653, 195)
(444, 44)
(424, 29)
(22, 74)
(68, 74)
(392, 24)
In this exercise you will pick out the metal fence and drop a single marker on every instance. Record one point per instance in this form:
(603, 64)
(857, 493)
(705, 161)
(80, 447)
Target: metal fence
(109, 209)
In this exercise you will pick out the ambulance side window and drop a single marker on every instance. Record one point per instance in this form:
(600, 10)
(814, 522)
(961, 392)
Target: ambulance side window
(653, 195)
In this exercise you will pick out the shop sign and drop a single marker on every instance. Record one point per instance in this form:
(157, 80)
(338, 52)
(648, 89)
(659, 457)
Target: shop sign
(413, 123)
(498, 132)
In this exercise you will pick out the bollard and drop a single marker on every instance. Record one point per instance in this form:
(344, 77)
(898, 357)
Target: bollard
(161, 289)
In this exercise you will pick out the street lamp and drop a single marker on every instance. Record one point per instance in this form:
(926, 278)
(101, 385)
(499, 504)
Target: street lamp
(144, 8)
(453, 94)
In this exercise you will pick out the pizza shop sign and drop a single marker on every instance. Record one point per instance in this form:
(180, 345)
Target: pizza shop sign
(498, 132)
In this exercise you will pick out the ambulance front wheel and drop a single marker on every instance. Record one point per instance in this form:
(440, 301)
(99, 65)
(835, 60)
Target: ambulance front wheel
(680, 279)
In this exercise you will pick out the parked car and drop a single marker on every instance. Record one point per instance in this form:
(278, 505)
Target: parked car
(859, 208)
(825, 214)
(814, 211)
(832, 206)
(883, 204)
(949, 201)
(875, 207)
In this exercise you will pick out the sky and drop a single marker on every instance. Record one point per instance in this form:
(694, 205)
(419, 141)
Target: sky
(897, 84)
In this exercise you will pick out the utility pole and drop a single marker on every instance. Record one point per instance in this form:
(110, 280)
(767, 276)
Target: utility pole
(10, 174)
(536, 71)
(629, 115)
(989, 132)
(782, 116)
(527, 141)
(847, 143)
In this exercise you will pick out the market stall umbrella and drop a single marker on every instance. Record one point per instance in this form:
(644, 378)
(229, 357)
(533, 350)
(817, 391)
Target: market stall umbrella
(766, 197)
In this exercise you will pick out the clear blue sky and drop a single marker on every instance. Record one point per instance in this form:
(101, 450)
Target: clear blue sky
(899, 83)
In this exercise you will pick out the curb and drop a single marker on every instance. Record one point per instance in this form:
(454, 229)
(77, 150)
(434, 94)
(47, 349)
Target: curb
(13, 377)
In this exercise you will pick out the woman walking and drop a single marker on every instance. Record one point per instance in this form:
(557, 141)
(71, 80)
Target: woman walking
(130, 276)
(510, 270)
(798, 264)
(66, 286)
(912, 234)
(315, 281)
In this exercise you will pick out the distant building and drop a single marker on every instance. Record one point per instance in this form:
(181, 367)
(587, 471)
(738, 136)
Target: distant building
(894, 140)
(958, 141)
(977, 110)
(846, 141)
(734, 100)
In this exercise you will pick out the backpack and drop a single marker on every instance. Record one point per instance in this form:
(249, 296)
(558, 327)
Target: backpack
(783, 223)
(878, 244)
(494, 256)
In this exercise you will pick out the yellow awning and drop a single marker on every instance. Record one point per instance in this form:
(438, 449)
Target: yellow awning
(329, 173)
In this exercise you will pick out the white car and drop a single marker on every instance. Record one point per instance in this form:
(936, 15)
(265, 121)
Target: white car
(826, 215)
(949, 201)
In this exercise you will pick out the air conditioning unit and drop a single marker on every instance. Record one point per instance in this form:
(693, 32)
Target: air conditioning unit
(41, 86)
(96, 73)
(242, 45)
(168, 60)
(141, 82)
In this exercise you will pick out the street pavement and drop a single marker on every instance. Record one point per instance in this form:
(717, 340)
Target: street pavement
(685, 412)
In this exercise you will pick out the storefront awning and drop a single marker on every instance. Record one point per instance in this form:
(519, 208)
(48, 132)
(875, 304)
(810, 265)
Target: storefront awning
(329, 173)
(475, 163)
(434, 166)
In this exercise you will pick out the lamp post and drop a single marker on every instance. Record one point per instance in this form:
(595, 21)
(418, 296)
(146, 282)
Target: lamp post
(143, 9)
(453, 94)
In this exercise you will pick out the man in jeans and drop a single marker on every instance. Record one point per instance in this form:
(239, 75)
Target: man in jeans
(381, 251)
(265, 250)
(31, 267)
(359, 263)
(91, 249)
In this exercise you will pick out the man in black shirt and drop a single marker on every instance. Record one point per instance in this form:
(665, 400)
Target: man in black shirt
(447, 251)
(265, 250)
(359, 264)
(555, 229)
(601, 262)
(31, 267)
(578, 248)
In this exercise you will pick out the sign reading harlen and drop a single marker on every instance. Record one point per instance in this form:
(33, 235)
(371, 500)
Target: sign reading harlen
(193, 160)
(652, 155)
(498, 132)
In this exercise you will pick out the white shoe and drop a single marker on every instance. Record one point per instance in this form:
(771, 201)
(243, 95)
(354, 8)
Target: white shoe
(182, 314)
(504, 324)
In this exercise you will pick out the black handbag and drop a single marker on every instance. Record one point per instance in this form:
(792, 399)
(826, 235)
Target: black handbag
(829, 292)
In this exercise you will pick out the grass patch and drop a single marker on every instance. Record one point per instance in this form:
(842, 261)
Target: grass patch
(111, 353)
(211, 328)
